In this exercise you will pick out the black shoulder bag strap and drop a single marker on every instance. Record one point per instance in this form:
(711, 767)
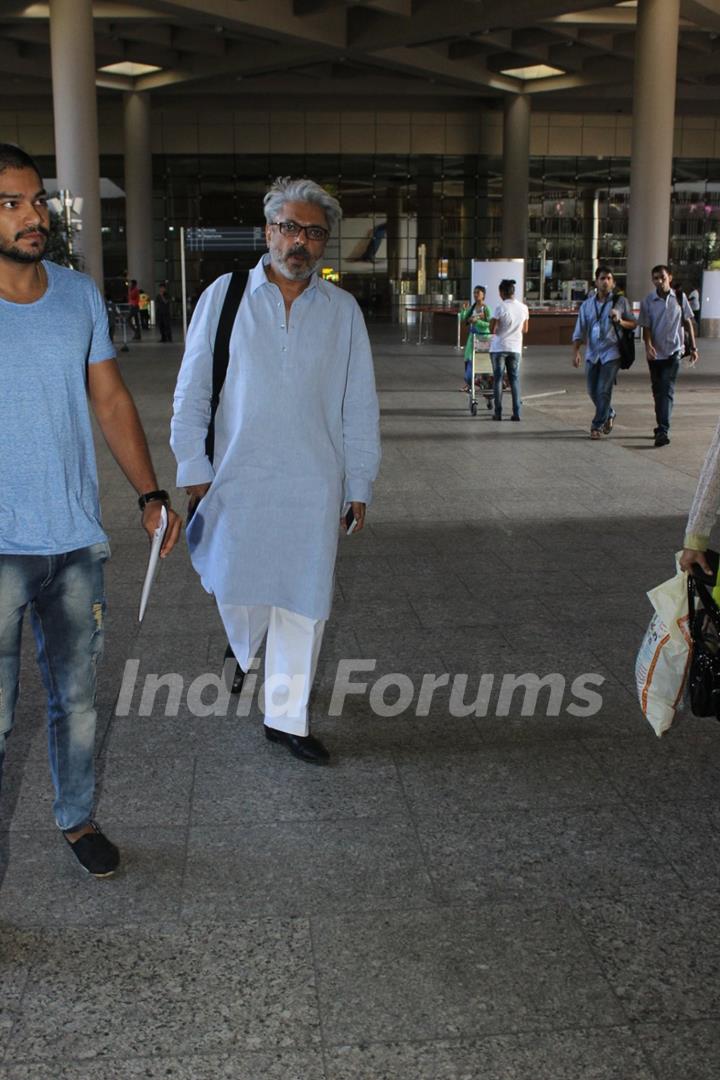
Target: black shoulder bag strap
(221, 349)
(625, 339)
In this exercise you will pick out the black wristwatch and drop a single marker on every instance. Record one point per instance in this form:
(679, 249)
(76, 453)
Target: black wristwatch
(153, 496)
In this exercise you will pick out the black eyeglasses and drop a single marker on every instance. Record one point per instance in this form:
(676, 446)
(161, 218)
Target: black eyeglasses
(291, 228)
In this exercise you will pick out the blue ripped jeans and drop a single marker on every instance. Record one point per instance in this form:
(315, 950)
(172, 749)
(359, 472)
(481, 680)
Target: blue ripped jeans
(66, 597)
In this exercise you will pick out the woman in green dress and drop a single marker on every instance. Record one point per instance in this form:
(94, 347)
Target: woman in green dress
(477, 319)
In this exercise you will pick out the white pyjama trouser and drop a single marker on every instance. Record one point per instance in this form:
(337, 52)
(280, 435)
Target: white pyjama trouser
(291, 656)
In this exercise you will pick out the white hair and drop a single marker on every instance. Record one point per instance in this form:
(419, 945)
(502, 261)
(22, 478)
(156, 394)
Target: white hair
(285, 190)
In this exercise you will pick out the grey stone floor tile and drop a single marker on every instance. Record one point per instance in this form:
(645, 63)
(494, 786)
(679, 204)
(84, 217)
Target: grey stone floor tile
(659, 769)
(387, 614)
(32, 795)
(474, 561)
(359, 736)
(168, 991)
(408, 586)
(519, 854)
(659, 951)
(281, 789)
(274, 1065)
(535, 775)
(688, 834)
(456, 972)
(297, 868)
(413, 645)
(156, 738)
(141, 791)
(17, 948)
(437, 614)
(31, 805)
(600, 1054)
(44, 885)
(690, 1049)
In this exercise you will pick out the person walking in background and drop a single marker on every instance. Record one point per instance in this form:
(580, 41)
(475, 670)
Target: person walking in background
(595, 327)
(694, 302)
(112, 314)
(144, 306)
(665, 322)
(134, 302)
(508, 324)
(162, 314)
(477, 319)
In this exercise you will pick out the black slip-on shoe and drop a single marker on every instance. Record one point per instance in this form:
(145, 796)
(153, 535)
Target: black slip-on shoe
(661, 439)
(305, 747)
(238, 678)
(95, 853)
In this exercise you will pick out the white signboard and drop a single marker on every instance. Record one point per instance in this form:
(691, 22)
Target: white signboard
(490, 272)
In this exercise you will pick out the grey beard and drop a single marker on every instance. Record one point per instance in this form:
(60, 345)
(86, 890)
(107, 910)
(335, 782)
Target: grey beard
(293, 275)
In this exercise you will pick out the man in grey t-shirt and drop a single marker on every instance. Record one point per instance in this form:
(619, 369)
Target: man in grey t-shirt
(55, 353)
(665, 321)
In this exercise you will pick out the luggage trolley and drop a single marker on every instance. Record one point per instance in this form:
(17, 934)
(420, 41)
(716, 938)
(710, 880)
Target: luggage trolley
(482, 375)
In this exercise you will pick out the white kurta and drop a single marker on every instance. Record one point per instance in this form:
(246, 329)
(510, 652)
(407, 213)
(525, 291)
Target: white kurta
(296, 435)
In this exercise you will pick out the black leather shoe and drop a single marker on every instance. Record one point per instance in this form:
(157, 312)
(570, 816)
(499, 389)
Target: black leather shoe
(661, 439)
(239, 677)
(305, 747)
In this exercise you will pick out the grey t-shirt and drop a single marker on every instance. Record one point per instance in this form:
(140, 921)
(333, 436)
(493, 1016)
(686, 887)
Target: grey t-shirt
(48, 474)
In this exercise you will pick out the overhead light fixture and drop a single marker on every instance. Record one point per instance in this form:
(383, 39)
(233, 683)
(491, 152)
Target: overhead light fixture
(533, 71)
(126, 67)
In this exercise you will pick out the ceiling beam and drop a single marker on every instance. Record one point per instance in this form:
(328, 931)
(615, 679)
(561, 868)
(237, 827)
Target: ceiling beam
(241, 61)
(433, 64)
(276, 18)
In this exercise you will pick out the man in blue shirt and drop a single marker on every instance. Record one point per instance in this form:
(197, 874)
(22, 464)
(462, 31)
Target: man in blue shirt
(596, 326)
(55, 353)
(665, 321)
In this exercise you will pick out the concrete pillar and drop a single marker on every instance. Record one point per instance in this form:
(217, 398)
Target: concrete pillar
(656, 41)
(591, 231)
(428, 216)
(138, 191)
(516, 182)
(72, 47)
(396, 223)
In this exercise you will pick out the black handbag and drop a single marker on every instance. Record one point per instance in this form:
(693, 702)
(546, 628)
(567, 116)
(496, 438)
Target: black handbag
(704, 676)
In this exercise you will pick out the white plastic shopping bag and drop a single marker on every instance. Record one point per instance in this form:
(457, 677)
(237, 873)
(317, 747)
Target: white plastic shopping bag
(663, 662)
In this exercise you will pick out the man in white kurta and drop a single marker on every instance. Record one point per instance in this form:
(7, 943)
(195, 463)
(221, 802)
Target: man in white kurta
(296, 440)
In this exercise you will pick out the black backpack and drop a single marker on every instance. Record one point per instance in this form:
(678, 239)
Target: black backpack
(680, 296)
(626, 341)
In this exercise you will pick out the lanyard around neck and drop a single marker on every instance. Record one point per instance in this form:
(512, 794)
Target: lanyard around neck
(599, 313)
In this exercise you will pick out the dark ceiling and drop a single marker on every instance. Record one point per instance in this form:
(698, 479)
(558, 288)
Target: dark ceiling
(380, 53)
